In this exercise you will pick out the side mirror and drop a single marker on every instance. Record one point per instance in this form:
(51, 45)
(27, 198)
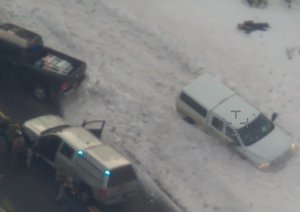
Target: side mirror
(274, 116)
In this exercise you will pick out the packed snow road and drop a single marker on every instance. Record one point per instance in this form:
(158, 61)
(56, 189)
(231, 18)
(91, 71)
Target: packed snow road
(141, 53)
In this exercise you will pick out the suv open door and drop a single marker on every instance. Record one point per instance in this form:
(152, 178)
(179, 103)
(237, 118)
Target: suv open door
(93, 127)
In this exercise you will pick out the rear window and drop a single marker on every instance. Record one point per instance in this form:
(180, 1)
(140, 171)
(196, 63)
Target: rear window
(121, 175)
(193, 104)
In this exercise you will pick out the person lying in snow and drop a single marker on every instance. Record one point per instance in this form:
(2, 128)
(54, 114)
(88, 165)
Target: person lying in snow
(249, 26)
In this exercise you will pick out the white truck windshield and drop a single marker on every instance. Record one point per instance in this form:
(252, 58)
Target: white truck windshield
(255, 130)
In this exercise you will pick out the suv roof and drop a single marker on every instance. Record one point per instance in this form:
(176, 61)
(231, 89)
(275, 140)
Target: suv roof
(109, 157)
(82, 139)
(17, 35)
(79, 137)
(207, 91)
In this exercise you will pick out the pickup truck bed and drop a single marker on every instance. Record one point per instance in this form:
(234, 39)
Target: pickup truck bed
(48, 52)
(45, 71)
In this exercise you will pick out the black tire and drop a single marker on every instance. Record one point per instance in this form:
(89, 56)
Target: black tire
(85, 192)
(85, 197)
(189, 120)
(39, 92)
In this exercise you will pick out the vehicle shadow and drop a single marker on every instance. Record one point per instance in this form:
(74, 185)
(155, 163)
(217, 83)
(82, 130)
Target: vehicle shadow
(16, 101)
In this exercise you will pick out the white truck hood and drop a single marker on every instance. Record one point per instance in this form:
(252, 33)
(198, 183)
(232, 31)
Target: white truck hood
(272, 146)
(42, 123)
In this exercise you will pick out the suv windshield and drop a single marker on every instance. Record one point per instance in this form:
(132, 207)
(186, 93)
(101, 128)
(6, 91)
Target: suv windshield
(255, 130)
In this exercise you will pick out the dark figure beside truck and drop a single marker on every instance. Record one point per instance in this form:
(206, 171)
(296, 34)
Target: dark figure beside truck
(46, 72)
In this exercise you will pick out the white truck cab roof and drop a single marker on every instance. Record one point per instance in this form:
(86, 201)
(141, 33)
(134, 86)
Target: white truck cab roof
(236, 112)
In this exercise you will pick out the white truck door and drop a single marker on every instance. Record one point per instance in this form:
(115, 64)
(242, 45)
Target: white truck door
(216, 127)
(232, 138)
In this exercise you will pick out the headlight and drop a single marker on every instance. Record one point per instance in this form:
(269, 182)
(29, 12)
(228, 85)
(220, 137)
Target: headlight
(263, 165)
(293, 147)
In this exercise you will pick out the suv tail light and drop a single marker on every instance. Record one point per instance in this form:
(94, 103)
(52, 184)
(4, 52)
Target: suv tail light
(103, 193)
(64, 86)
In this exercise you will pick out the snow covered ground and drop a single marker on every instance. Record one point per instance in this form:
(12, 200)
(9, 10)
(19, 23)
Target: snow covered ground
(141, 53)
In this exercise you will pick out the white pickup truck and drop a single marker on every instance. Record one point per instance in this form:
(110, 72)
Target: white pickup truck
(216, 108)
(102, 173)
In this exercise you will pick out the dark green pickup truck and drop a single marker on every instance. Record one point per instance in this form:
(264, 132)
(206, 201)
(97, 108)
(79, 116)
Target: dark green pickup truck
(46, 72)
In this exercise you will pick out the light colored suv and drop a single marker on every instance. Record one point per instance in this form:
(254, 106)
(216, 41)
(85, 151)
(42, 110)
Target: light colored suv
(219, 111)
(77, 151)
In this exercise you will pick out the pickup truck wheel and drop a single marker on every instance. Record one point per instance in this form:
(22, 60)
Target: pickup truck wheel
(189, 120)
(39, 92)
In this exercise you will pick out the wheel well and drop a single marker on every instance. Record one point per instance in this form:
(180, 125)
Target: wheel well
(189, 120)
(42, 85)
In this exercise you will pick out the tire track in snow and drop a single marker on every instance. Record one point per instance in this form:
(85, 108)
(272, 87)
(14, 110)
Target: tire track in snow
(147, 38)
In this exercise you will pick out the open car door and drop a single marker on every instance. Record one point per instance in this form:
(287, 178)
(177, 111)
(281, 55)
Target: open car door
(96, 127)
